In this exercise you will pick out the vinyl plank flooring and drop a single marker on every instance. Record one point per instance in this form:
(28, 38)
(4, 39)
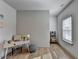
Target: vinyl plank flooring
(54, 52)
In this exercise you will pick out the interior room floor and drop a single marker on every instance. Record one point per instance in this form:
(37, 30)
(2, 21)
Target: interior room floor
(54, 52)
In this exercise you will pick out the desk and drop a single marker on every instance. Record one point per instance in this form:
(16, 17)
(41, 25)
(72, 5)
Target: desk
(13, 44)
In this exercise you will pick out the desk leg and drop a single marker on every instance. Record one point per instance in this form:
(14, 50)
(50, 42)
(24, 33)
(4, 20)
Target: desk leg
(6, 50)
(28, 47)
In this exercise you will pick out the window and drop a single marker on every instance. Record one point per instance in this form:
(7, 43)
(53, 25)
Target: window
(67, 30)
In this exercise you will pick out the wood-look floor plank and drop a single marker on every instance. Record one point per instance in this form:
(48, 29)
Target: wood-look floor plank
(54, 52)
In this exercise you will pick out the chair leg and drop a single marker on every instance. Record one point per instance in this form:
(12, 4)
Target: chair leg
(12, 51)
(21, 49)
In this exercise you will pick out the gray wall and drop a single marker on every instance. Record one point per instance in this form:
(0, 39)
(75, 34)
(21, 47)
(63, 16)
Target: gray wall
(9, 30)
(35, 23)
(72, 9)
(53, 23)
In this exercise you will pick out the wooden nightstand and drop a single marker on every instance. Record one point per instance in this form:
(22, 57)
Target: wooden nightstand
(53, 40)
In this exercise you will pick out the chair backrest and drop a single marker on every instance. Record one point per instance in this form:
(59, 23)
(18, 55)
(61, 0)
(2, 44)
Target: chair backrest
(17, 37)
(21, 37)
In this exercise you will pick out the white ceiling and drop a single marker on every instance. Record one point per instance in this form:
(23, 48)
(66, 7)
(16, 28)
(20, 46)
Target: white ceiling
(54, 6)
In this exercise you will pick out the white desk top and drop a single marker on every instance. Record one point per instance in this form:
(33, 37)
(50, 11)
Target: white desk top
(12, 44)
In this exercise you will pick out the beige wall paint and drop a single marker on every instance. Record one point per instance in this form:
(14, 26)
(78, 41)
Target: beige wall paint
(72, 9)
(9, 17)
(35, 23)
